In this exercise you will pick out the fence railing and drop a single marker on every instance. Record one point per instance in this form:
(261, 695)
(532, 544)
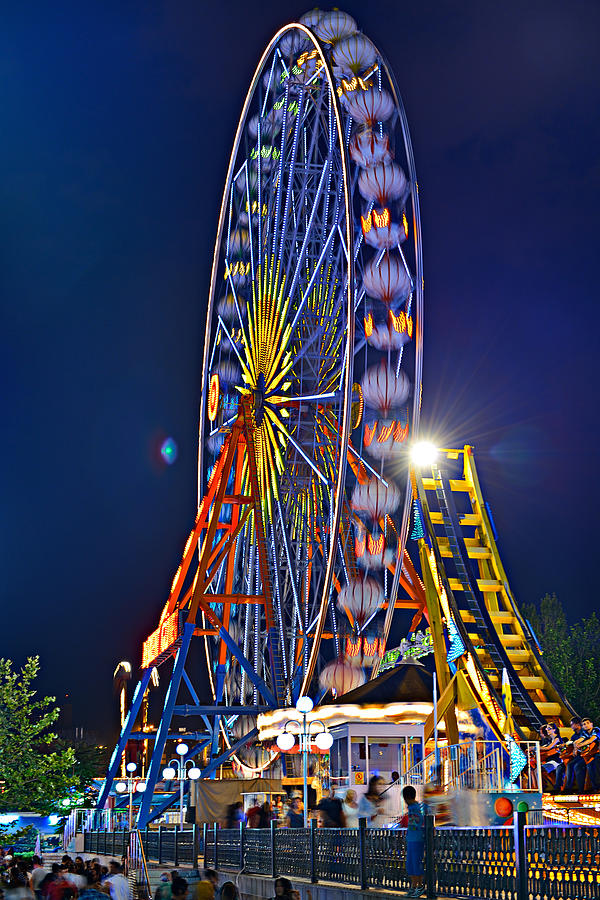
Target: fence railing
(163, 845)
(522, 862)
(476, 765)
(514, 863)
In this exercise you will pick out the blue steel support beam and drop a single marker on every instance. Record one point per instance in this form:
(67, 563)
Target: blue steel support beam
(215, 763)
(163, 728)
(220, 673)
(115, 760)
(191, 688)
(219, 710)
(247, 667)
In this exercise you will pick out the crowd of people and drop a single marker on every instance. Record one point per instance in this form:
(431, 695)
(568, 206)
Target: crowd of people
(572, 764)
(332, 811)
(30, 879)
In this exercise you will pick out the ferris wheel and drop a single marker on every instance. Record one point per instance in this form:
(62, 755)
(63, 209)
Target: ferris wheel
(314, 327)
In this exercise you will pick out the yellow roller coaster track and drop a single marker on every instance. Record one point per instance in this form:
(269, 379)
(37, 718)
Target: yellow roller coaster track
(466, 583)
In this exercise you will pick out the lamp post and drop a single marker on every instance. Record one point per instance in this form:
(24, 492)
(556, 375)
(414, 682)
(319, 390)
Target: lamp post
(132, 784)
(322, 738)
(179, 772)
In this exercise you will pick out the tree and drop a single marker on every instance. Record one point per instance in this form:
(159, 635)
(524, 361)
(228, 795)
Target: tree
(33, 777)
(571, 652)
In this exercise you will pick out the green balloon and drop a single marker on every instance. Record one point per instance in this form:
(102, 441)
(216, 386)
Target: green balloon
(523, 806)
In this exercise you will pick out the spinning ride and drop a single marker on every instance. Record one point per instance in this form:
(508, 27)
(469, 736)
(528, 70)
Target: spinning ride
(311, 388)
(314, 322)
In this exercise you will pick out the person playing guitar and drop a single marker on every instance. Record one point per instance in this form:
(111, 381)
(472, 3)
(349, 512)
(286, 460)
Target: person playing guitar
(588, 749)
(572, 764)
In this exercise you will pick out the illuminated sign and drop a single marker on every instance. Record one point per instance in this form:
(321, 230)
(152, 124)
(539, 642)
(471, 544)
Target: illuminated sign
(213, 397)
(161, 641)
(419, 644)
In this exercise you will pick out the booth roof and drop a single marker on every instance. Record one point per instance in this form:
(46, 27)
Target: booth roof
(408, 682)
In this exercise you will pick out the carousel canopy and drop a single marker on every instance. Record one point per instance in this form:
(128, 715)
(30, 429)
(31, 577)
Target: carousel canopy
(409, 682)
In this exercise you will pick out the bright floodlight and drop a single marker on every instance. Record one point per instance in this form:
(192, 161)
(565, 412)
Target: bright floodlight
(140, 787)
(182, 749)
(423, 453)
(324, 740)
(121, 787)
(169, 773)
(304, 704)
(194, 772)
(285, 740)
(131, 767)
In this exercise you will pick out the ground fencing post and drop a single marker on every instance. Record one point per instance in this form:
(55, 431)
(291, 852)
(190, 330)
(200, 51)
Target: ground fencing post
(205, 842)
(362, 852)
(160, 843)
(521, 864)
(242, 849)
(216, 834)
(430, 873)
(273, 863)
(176, 853)
(195, 846)
(313, 851)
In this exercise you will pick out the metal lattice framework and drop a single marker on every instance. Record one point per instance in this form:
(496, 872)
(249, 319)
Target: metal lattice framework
(311, 389)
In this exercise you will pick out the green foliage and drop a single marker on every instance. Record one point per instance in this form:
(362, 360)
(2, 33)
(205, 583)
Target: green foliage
(571, 652)
(33, 776)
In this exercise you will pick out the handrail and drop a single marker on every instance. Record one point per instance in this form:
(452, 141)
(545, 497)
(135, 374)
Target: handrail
(140, 854)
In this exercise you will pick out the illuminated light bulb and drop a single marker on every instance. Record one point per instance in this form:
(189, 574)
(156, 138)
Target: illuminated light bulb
(194, 773)
(304, 705)
(141, 787)
(285, 741)
(324, 740)
(181, 749)
(131, 767)
(120, 788)
(423, 453)
(169, 773)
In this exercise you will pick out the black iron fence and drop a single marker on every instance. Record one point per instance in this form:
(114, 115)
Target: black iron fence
(516, 863)
(163, 845)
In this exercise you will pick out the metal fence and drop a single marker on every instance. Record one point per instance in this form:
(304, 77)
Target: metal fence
(515, 863)
(176, 846)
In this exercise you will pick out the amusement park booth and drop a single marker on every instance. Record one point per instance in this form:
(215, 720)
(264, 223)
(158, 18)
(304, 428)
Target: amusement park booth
(377, 729)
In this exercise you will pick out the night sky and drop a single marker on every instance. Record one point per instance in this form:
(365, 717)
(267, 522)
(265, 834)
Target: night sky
(116, 126)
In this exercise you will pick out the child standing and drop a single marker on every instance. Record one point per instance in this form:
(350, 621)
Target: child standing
(415, 841)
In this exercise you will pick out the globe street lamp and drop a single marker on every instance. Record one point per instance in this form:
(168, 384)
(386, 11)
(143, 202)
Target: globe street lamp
(132, 784)
(322, 738)
(177, 771)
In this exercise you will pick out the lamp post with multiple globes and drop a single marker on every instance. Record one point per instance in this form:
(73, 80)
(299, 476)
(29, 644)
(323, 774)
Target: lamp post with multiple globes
(177, 770)
(133, 784)
(322, 738)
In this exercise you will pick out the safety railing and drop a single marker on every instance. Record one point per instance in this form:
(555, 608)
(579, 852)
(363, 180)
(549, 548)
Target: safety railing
(477, 765)
(515, 863)
(138, 866)
(169, 845)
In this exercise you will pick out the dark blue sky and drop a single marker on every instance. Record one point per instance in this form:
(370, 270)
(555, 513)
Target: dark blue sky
(116, 126)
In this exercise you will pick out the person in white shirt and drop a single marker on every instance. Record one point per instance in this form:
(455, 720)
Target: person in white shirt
(350, 807)
(118, 884)
(38, 874)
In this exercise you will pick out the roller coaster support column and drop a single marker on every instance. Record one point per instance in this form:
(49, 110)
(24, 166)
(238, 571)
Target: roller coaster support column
(434, 611)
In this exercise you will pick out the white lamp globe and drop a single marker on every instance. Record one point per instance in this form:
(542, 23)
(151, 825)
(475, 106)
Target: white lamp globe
(194, 772)
(181, 749)
(304, 705)
(324, 740)
(68, 802)
(131, 767)
(120, 788)
(285, 740)
(169, 773)
(140, 787)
